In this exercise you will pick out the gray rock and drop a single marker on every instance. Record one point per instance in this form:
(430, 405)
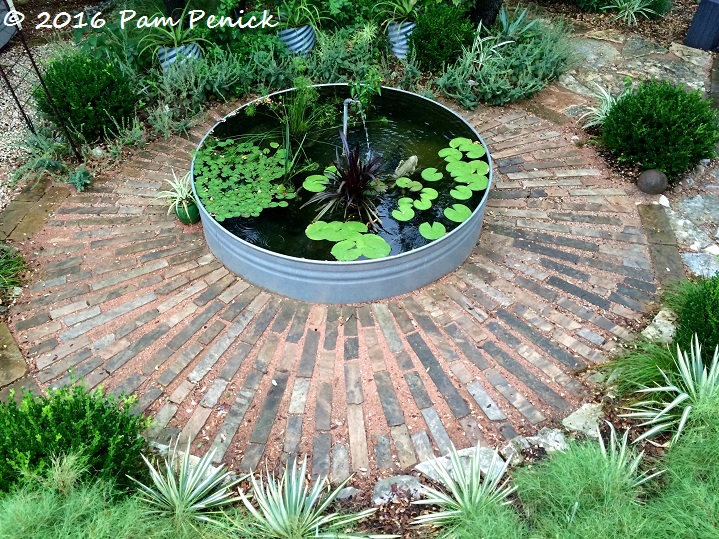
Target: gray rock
(636, 47)
(585, 420)
(486, 455)
(653, 181)
(694, 56)
(512, 451)
(395, 487)
(550, 439)
(701, 264)
(662, 327)
(595, 53)
(347, 493)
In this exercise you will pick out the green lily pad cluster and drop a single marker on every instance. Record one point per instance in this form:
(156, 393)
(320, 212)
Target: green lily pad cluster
(352, 239)
(240, 179)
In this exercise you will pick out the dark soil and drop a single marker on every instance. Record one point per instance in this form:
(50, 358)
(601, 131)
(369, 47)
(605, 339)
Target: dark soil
(672, 28)
(32, 8)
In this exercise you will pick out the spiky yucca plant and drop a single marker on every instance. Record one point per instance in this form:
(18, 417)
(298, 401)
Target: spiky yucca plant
(353, 184)
(695, 385)
(185, 491)
(289, 508)
(622, 459)
(468, 489)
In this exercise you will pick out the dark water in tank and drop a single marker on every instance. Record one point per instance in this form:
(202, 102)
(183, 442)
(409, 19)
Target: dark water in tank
(399, 126)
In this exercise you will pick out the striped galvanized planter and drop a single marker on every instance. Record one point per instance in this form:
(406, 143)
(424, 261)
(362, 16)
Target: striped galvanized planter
(398, 34)
(300, 40)
(170, 55)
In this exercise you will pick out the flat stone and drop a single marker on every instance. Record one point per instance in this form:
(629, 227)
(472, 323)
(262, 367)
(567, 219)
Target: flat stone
(694, 56)
(615, 36)
(486, 457)
(512, 451)
(585, 420)
(701, 264)
(397, 487)
(12, 362)
(636, 46)
(347, 493)
(662, 328)
(550, 439)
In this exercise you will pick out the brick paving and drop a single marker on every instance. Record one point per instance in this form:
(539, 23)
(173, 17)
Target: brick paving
(127, 297)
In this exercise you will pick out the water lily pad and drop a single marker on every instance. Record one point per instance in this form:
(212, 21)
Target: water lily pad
(480, 167)
(458, 213)
(450, 154)
(415, 186)
(316, 183)
(474, 151)
(403, 182)
(428, 193)
(458, 168)
(346, 250)
(423, 204)
(331, 169)
(431, 175)
(404, 213)
(477, 182)
(373, 246)
(461, 192)
(405, 201)
(433, 231)
(335, 230)
(459, 141)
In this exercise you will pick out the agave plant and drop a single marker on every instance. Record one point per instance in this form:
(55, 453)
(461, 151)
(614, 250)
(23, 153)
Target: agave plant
(352, 183)
(468, 489)
(185, 490)
(695, 385)
(291, 509)
(622, 460)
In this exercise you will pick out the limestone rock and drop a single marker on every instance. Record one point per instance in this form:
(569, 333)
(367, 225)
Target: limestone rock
(662, 327)
(550, 440)
(614, 36)
(694, 56)
(637, 46)
(701, 264)
(347, 493)
(485, 460)
(585, 420)
(653, 181)
(395, 487)
(512, 451)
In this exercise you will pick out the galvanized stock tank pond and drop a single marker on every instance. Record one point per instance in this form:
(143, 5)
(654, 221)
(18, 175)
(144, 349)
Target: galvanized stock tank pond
(291, 204)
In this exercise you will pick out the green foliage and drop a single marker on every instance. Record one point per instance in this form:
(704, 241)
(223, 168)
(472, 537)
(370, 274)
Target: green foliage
(46, 153)
(240, 179)
(592, 6)
(179, 192)
(47, 509)
(595, 115)
(515, 60)
(12, 266)
(629, 11)
(89, 94)
(345, 55)
(639, 365)
(185, 491)
(80, 178)
(469, 490)
(433, 231)
(442, 32)
(291, 509)
(661, 125)
(695, 385)
(70, 419)
(696, 303)
(581, 494)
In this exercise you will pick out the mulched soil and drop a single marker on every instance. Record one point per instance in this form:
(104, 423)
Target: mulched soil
(32, 8)
(671, 28)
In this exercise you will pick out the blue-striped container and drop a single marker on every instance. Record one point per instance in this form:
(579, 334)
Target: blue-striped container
(398, 34)
(170, 55)
(300, 40)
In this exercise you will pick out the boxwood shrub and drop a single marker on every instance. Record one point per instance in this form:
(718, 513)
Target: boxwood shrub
(442, 30)
(89, 93)
(697, 306)
(99, 426)
(662, 125)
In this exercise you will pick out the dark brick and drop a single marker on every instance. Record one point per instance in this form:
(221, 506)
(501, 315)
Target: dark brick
(382, 451)
(365, 316)
(253, 379)
(351, 348)
(507, 431)
(261, 322)
(188, 354)
(147, 340)
(266, 418)
(309, 354)
(287, 311)
(253, 454)
(33, 321)
(540, 340)
(60, 367)
(129, 385)
(234, 363)
(613, 268)
(579, 292)
(207, 336)
(214, 290)
(349, 321)
(422, 319)
(195, 325)
(132, 325)
(297, 328)
(581, 218)
(156, 360)
(171, 286)
(333, 315)
(469, 350)
(508, 194)
(566, 270)
(511, 365)
(239, 304)
(145, 245)
(640, 285)
(388, 398)
(627, 302)
(43, 347)
(401, 317)
(146, 399)
(546, 250)
(323, 410)
(416, 387)
(321, 455)
(455, 401)
(293, 434)
(503, 335)
(187, 256)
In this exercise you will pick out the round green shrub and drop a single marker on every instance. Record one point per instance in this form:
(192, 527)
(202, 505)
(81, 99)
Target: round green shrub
(100, 427)
(442, 30)
(89, 93)
(697, 306)
(661, 125)
(660, 7)
(591, 6)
